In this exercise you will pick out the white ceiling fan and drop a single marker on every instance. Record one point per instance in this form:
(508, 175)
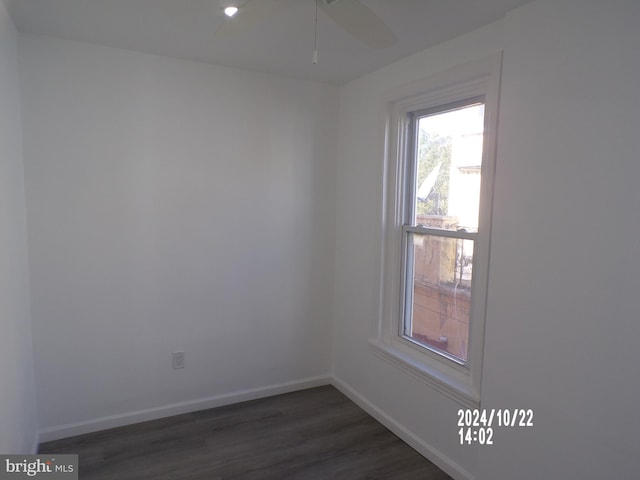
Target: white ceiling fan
(352, 15)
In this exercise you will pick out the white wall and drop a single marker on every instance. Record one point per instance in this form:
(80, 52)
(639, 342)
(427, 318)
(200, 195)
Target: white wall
(562, 320)
(563, 323)
(18, 426)
(173, 206)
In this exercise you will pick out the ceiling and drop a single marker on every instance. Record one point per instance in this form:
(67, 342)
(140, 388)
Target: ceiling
(280, 43)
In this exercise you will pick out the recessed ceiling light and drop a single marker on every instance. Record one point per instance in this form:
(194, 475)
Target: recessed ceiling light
(230, 11)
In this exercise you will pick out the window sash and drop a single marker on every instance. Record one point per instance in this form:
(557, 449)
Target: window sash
(409, 228)
(407, 290)
(440, 232)
(411, 161)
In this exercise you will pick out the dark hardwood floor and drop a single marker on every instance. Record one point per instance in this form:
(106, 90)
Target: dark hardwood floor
(311, 434)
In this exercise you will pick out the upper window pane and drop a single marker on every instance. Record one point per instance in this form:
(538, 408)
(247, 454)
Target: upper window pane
(448, 167)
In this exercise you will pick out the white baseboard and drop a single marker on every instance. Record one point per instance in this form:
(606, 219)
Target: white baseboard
(443, 462)
(112, 421)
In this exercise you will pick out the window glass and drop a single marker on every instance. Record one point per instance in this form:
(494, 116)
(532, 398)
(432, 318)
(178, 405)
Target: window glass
(448, 156)
(439, 292)
(446, 167)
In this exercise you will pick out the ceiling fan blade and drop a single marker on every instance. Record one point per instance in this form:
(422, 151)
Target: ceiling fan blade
(359, 21)
(248, 17)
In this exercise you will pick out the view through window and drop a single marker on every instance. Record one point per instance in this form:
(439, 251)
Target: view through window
(441, 226)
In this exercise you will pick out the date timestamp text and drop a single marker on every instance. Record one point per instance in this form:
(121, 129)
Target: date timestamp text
(477, 425)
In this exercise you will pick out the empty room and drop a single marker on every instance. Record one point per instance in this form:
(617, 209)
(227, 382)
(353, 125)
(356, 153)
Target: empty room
(301, 239)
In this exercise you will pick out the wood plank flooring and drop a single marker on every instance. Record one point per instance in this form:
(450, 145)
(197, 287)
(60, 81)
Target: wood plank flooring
(313, 434)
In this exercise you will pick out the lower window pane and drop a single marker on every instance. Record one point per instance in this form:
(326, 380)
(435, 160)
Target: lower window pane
(439, 293)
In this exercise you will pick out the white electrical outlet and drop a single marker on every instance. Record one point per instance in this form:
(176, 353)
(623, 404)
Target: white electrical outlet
(177, 360)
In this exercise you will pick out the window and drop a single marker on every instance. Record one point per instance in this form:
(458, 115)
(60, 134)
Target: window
(441, 204)
(438, 189)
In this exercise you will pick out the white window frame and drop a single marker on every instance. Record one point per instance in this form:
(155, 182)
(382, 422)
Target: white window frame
(460, 381)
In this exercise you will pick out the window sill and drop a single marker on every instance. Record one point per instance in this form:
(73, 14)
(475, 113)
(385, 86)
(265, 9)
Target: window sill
(456, 387)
